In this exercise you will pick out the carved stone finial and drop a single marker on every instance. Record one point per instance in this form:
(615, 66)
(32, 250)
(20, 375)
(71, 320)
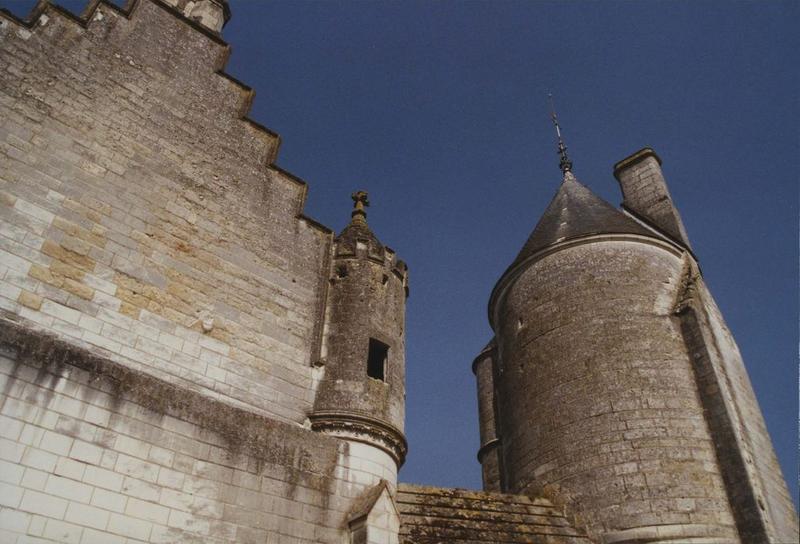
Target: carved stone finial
(360, 202)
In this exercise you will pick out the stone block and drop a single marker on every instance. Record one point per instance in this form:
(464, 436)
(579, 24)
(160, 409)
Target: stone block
(147, 511)
(10, 450)
(14, 521)
(129, 527)
(69, 469)
(34, 479)
(100, 477)
(109, 500)
(11, 473)
(68, 489)
(60, 531)
(87, 453)
(91, 536)
(43, 504)
(39, 459)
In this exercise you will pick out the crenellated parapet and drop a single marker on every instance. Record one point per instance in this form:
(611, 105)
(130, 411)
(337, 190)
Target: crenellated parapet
(358, 242)
(148, 39)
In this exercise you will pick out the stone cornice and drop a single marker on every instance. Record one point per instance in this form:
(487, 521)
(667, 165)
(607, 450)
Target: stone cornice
(487, 447)
(347, 426)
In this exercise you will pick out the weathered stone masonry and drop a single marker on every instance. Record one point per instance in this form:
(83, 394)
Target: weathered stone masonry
(618, 391)
(163, 298)
(186, 357)
(95, 451)
(148, 201)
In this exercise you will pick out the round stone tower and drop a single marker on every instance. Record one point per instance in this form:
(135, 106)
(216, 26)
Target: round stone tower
(361, 396)
(597, 403)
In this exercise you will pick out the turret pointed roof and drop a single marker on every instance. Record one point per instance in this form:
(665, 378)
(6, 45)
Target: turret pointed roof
(576, 211)
(358, 230)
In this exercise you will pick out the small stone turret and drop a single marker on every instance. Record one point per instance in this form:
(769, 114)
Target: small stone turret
(489, 452)
(361, 396)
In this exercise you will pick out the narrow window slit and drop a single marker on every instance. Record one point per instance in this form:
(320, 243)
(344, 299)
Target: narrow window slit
(377, 359)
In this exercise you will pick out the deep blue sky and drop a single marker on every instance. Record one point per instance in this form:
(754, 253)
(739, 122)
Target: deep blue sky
(439, 110)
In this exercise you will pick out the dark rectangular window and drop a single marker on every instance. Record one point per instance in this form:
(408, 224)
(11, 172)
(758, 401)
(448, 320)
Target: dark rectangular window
(376, 362)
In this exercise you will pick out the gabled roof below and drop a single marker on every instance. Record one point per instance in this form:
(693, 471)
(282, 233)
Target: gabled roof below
(366, 502)
(435, 515)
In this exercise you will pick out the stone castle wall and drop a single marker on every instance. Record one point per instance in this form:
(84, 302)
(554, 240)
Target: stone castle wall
(162, 300)
(137, 204)
(161, 297)
(95, 452)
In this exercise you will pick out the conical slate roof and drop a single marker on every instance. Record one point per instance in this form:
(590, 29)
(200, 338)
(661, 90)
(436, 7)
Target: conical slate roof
(358, 230)
(576, 211)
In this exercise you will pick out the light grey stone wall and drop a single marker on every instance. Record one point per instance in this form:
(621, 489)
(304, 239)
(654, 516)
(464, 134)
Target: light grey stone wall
(598, 406)
(95, 452)
(141, 215)
(161, 297)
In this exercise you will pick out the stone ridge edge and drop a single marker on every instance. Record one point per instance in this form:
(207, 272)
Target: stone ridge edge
(87, 16)
(241, 430)
(428, 489)
(650, 225)
(550, 499)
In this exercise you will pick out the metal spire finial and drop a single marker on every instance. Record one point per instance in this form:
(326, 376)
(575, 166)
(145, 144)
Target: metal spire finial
(565, 164)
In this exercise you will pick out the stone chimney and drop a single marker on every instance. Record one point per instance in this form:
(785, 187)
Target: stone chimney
(645, 194)
(212, 14)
